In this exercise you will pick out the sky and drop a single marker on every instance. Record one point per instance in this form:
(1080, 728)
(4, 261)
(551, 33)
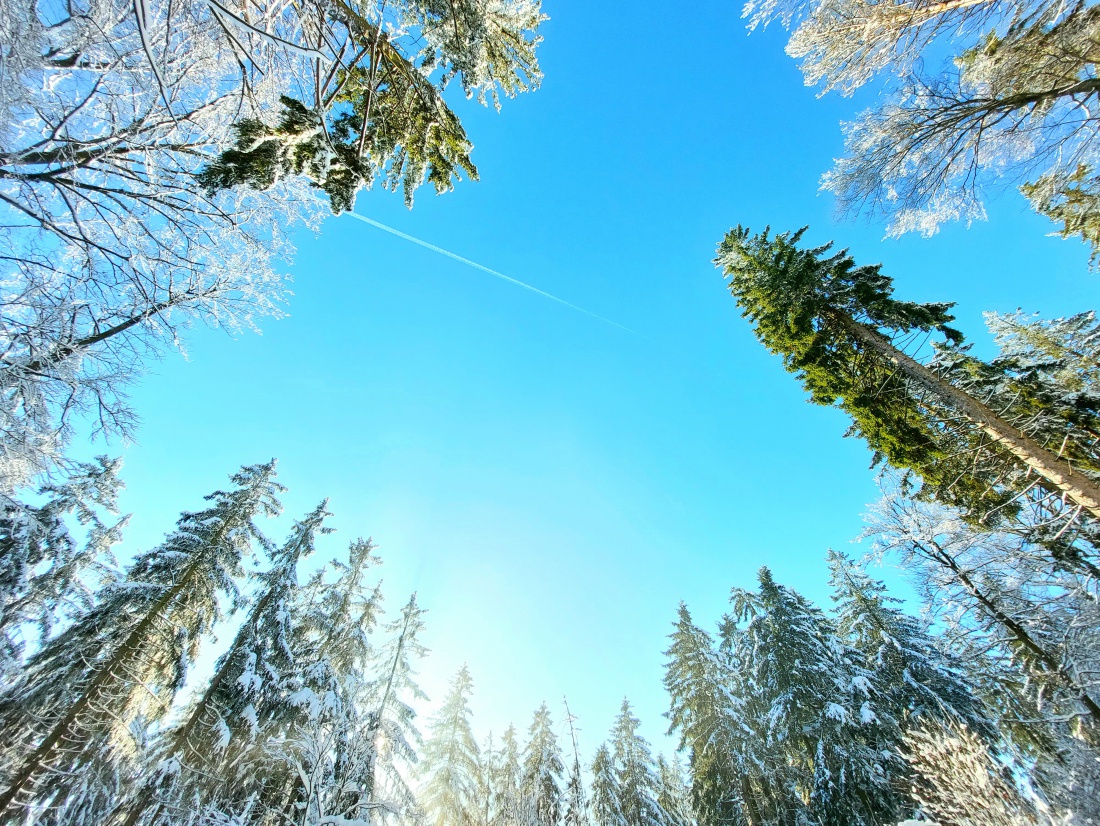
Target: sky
(550, 484)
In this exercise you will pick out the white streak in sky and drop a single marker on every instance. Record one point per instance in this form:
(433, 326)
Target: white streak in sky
(478, 266)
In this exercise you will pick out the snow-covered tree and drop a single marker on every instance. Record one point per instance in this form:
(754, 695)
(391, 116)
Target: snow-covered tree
(506, 781)
(673, 796)
(542, 771)
(122, 661)
(1008, 106)
(44, 569)
(127, 129)
(575, 812)
(915, 678)
(605, 803)
(704, 711)
(215, 755)
(1001, 591)
(449, 762)
(638, 783)
(837, 327)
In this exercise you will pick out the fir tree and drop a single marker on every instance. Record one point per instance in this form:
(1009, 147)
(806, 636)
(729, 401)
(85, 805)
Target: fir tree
(542, 771)
(124, 659)
(449, 765)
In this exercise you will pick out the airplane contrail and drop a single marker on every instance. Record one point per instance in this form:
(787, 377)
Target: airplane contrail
(485, 269)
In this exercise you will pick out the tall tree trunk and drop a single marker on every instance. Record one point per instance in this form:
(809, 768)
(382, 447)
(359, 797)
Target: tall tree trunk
(1081, 489)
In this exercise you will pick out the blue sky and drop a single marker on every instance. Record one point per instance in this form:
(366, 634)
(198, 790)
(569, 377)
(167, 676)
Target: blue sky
(551, 485)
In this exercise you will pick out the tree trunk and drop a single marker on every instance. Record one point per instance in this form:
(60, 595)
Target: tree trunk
(1081, 489)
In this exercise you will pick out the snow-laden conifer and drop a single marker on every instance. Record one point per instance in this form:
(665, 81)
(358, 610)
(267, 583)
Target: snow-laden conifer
(576, 803)
(215, 756)
(915, 678)
(450, 759)
(638, 783)
(673, 796)
(705, 712)
(604, 800)
(543, 771)
(506, 782)
(123, 660)
(43, 567)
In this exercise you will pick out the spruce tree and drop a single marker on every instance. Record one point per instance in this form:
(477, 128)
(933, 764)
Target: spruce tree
(576, 806)
(450, 760)
(507, 782)
(543, 771)
(672, 795)
(605, 801)
(916, 680)
(705, 713)
(124, 659)
(214, 757)
(43, 568)
(834, 323)
(638, 783)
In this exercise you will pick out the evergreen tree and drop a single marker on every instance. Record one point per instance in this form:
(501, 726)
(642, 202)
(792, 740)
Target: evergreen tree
(704, 710)
(605, 803)
(506, 782)
(672, 795)
(576, 806)
(123, 660)
(542, 771)
(214, 757)
(833, 323)
(449, 765)
(638, 784)
(915, 679)
(33, 600)
(348, 759)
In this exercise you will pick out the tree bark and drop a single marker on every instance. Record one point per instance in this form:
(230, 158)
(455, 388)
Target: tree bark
(1078, 487)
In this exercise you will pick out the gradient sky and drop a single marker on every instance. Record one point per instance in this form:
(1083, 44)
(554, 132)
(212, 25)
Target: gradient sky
(551, 485)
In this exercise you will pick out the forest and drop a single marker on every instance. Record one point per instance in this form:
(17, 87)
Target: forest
(161, 161)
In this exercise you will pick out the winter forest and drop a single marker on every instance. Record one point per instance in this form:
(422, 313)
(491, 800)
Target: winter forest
(562, 457)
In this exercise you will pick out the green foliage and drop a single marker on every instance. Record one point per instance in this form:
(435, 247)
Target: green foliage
(808, 305)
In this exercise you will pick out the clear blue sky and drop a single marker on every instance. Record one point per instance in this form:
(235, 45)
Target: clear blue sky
(551, 485)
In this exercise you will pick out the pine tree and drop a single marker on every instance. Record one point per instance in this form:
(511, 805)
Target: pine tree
(449, 764)
(542, 771)
(833, 322)
(124, 659)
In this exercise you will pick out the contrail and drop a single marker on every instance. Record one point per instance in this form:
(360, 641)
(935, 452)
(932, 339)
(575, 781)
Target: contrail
(493, 273)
